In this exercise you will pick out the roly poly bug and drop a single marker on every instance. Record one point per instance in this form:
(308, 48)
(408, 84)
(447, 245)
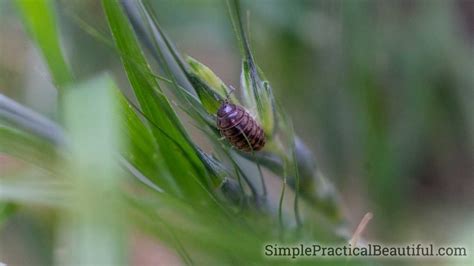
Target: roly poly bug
(239, 127)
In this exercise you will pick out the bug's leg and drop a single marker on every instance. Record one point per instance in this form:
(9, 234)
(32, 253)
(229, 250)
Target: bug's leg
(222, 136)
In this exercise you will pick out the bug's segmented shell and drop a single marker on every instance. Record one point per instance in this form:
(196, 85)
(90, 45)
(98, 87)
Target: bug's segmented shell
(239, 128)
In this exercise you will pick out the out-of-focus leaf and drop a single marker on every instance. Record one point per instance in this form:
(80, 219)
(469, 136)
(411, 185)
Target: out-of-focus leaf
(40, 20)
(95, 220)
(6, 209)
(33, 192)
(200, 229)
(27, 147)
(28, 120)
(27, 135)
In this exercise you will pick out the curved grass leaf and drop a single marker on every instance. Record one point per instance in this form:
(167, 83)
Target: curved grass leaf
(157, 108)
(30, 121)
(141, 150)
(40, 20)
(165, 51)
(27, 147)
(153, 38)
(183, 82)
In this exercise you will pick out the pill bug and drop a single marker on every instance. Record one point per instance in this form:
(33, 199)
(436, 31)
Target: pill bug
(239, 127)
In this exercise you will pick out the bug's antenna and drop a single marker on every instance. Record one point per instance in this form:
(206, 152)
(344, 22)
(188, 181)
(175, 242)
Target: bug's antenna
(231, 90)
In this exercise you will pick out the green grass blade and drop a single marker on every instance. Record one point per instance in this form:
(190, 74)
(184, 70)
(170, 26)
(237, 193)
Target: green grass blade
(39, 18)
(257, 93)
(183, 81)
(294, 164)
(151, 35)
(156, 106)
(141, 149)
(172, 65)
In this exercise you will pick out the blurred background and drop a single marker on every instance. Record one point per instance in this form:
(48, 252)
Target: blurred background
(383, 92)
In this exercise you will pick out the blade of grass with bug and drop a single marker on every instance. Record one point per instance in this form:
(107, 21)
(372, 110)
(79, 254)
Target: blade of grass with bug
(195, 103)
(273, 164)
(178, 90)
